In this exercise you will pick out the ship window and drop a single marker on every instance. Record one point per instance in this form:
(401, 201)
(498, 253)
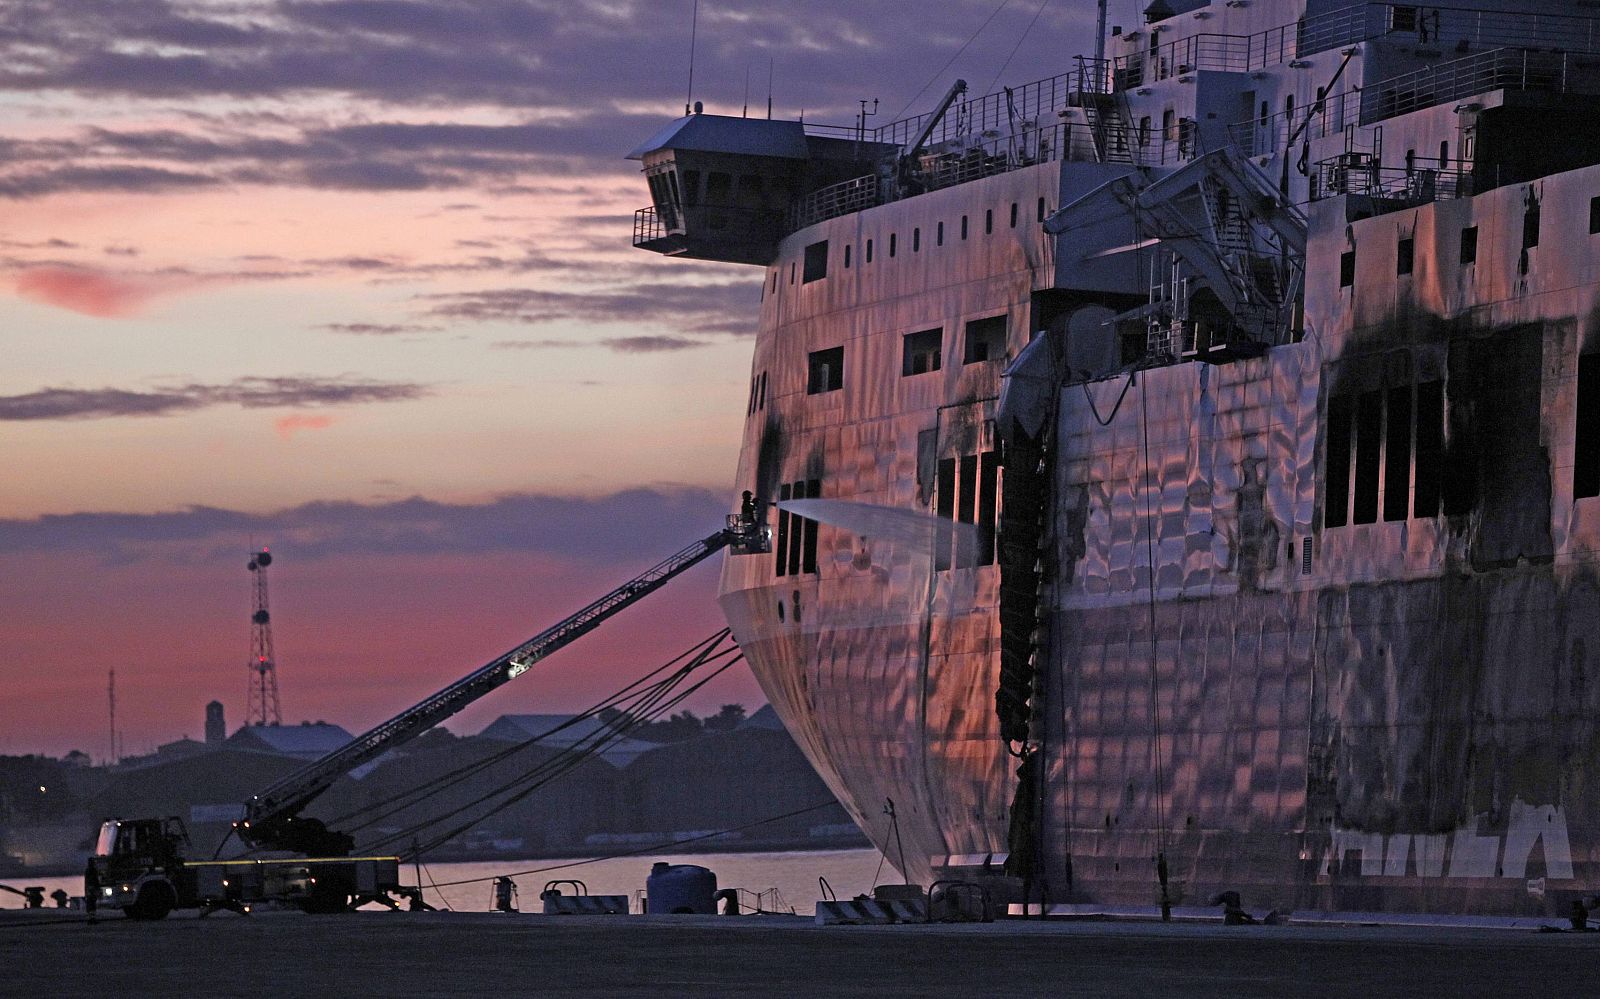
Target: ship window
(718, 187)
(781, 547)
(1397, 455)
(964, 226)
(1336, 505)
(1144, 130)
(945, 508)
(920, 352)
(691, 187)
(988, 221)
(988, 489)
(774, 280)
(1530, 226)
(797, 531)
(791, 272)
(938, 235)
(847, 256)
(1469, 244)
(967, 492)
(966, 507)
(986, 340)
(1405, 255)
(1013, 214)
(751, 188)
(1369, 439)
(916, 240)
(869, 251)
(893, 239)
(1402, 18)
(1444, 155)
(1169, 125)
(1041, 210)
(1594, 215)
(1430, 449)
(803, 531)
(1347, 268)
(1586, 441)
(825, 371)
(816, 262)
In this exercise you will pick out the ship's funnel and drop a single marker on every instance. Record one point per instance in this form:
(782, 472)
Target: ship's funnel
(919, 532)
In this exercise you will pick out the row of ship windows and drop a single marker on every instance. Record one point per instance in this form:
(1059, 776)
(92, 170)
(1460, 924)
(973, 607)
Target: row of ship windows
(814, 263)
(1377, 432)
(967, 491)
(921, 352)
(1405, 248)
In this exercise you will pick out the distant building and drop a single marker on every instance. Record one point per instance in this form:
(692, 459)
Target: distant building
(765, 718)
(306, 741)
(216, 725)
(521, 728)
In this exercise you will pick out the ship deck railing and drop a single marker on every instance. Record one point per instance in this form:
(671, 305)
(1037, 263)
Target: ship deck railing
(1459, 79)
(1394, 188)
(991, 153)
(1206, 52)
(1448, 27)
(1476, 74)
(1456, 27)
(665, 228)
(1034, 101)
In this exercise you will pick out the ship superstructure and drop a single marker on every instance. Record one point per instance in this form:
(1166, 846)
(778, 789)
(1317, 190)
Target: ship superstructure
(1262, 357)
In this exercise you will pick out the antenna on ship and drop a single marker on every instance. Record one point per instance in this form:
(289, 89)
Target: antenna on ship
(769, 88)
(694, 29)
(1100, 36)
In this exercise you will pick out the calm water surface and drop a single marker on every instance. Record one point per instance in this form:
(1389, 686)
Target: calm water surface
(794, 874)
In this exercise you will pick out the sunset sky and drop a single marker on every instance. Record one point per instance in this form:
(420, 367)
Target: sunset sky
(353, 278)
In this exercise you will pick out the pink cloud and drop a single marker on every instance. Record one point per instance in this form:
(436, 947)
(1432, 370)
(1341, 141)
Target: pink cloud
(288, 426)
(93, 293)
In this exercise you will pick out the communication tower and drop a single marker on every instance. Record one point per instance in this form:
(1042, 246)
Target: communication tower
(263, 705)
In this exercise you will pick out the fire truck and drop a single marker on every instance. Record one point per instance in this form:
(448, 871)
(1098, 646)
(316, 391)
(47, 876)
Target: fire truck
(143, 867)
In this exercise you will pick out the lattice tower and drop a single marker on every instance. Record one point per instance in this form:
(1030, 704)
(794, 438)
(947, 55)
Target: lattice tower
(263, 702)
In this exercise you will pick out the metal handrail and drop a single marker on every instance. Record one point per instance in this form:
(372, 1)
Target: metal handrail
(1420, 185)
(1448, 26)
(280, 802)
(1470, 76)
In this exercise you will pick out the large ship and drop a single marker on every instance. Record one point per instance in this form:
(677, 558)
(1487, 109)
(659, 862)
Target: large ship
(1261, 351)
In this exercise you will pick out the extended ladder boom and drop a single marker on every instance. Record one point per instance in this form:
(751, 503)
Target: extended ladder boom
(272, 819)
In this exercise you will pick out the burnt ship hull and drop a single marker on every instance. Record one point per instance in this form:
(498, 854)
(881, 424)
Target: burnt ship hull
(1283, 468)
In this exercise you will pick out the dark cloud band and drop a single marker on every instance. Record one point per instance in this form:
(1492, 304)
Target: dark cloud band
(251, 393)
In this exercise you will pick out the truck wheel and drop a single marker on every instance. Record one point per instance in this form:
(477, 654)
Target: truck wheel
(154, 902)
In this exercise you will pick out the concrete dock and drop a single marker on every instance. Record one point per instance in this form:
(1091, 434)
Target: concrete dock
(478, 954)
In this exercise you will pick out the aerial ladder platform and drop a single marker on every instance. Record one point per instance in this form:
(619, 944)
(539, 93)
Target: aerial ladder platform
(272, 819)
(139, 864)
